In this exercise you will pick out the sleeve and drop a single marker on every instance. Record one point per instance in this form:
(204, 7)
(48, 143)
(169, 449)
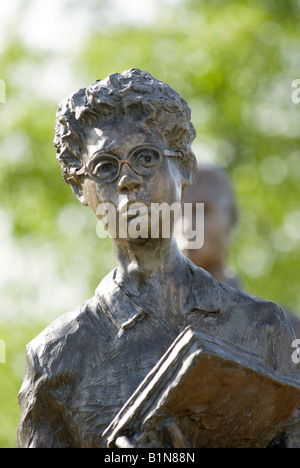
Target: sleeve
(42, 413)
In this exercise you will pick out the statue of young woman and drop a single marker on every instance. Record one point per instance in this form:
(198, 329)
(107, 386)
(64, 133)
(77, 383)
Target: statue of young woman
(127, 140)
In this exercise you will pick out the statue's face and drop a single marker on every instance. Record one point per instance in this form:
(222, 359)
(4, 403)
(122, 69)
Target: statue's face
(148, 176)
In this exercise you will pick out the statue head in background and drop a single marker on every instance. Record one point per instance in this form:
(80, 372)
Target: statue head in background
(212, 187)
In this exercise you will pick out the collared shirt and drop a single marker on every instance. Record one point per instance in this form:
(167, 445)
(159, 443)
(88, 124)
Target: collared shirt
(85, 365)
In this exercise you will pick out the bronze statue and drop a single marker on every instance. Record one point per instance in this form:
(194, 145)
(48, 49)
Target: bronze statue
(125, 143)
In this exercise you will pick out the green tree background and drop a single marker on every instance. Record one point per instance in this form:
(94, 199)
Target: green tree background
(233, 61)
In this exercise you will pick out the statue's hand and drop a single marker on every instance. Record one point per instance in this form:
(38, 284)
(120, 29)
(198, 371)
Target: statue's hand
(169, 432)
(124, 442)
(175, 434)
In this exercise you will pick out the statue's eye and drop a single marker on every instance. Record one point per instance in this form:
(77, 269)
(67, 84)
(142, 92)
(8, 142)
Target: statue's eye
(146, 159)
(105, 169)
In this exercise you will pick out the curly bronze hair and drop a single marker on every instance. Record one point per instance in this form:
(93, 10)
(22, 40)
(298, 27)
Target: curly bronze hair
(134, 94)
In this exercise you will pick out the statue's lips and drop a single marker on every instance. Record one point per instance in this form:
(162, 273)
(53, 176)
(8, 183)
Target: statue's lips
(133, 209)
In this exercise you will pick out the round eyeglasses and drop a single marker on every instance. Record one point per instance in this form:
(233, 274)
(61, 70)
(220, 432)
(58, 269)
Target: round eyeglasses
(143, 160)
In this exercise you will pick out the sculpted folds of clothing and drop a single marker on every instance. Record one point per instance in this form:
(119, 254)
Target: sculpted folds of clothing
(86, 364)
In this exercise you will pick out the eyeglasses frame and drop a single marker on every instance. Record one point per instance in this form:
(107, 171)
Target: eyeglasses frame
(86, 171)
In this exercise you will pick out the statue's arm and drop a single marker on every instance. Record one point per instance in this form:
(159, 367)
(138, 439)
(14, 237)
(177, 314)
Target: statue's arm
(41, 423)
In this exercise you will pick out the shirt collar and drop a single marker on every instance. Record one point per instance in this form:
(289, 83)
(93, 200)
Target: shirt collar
(205, 293)
(124, 312)
(116, 304)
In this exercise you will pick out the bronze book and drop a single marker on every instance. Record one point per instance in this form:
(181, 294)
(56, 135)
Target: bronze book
(217, 395)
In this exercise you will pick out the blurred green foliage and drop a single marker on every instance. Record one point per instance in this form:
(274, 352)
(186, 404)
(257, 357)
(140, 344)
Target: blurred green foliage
(234, 62)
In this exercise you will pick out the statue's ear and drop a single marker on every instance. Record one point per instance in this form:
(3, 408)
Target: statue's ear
(187, 168)
(75, 183)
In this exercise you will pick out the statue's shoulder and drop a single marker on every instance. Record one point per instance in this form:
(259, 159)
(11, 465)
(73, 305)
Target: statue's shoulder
(256, 325)
(63, 341)
(259, 309)
(223, 297)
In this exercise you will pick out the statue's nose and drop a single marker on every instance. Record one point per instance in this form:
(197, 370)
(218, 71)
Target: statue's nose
(129, 180)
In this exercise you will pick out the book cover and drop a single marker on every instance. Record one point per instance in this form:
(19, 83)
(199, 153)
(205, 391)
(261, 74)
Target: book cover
(205, 392)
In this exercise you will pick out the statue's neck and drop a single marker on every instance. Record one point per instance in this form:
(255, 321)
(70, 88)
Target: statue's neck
(150, 268)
